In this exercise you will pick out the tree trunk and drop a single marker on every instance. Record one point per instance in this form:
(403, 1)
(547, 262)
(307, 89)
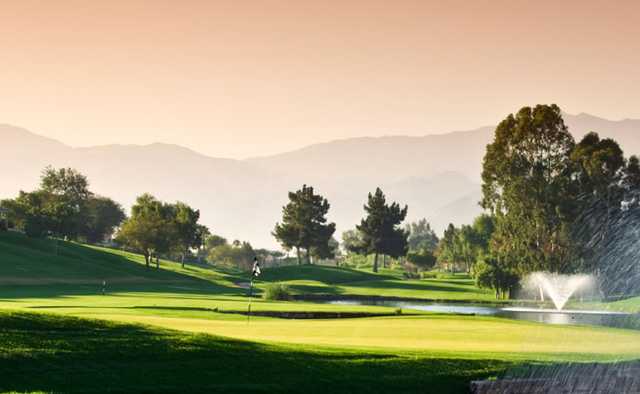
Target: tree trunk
(157, 262)
(375, 262)
(183, 259)
(308, 256)
(146, 259)
(298, 255)
(384, 261)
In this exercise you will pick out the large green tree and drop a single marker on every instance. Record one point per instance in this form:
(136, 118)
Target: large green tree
(527, 186)
(68, 197)
(380, 229)
(304, 224)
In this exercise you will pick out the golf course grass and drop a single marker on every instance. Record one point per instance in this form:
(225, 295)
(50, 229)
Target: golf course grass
(178, 329)
(62, 354)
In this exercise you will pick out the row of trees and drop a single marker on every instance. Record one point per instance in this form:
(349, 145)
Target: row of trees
(156, 227)
(63, 206)
(467, 244)
(304, 225)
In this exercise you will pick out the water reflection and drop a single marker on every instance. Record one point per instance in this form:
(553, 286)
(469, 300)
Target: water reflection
(548, 316)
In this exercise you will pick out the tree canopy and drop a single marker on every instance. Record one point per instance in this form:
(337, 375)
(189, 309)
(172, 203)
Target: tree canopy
(527, 186)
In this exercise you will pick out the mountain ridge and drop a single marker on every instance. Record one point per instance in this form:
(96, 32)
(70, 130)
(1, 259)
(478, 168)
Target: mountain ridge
(438, 175)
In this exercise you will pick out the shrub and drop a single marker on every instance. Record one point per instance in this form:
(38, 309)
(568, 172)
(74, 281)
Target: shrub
(410, 275)
(276, 291)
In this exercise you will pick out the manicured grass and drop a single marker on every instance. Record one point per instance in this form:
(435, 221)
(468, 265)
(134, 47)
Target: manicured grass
(49, 261)
(61, 354)
(41, 262)
(196, 312)
(456, 335)
(426, 353)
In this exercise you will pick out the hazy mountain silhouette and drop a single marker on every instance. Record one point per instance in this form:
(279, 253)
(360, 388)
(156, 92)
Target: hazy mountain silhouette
(438, 176)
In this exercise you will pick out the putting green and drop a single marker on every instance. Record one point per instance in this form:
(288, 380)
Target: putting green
(436, 333)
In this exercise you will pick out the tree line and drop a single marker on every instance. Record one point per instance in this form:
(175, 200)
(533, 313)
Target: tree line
(537, 185)
(63, 206)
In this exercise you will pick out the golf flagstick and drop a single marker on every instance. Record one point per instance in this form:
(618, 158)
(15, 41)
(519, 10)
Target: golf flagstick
(254, 274)
(250, 297)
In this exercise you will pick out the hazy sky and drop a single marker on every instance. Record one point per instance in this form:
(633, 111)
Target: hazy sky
(240, 78)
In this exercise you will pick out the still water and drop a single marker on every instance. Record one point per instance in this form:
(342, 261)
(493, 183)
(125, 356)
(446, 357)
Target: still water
(549, 316)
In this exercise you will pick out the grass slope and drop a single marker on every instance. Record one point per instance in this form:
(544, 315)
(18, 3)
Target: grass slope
(29, 261)
(74, 266)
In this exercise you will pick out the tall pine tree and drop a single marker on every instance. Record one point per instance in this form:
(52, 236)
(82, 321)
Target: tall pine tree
(380, 229)
(304, 223)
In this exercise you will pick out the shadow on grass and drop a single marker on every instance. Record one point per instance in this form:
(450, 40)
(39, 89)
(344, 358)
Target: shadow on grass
(63, 354)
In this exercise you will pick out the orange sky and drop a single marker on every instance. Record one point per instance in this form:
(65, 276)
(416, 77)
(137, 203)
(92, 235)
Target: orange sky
(240, 78)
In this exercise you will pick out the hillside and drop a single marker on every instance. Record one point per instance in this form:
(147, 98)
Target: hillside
(29, 261)
(47, 267)
(436, 175)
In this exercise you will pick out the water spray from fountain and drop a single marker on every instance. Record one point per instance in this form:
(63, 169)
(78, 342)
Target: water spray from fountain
(559, 288)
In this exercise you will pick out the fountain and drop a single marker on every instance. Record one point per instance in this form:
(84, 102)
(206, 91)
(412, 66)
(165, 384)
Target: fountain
(558, 287)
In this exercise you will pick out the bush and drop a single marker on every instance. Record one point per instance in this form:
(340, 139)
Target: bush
(410, 275)
(428, 275)
(354, 260)
(276, 291)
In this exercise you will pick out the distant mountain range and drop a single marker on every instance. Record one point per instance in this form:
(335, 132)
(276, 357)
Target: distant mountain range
(438, 176)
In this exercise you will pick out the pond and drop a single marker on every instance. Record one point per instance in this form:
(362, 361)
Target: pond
(549, 316)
